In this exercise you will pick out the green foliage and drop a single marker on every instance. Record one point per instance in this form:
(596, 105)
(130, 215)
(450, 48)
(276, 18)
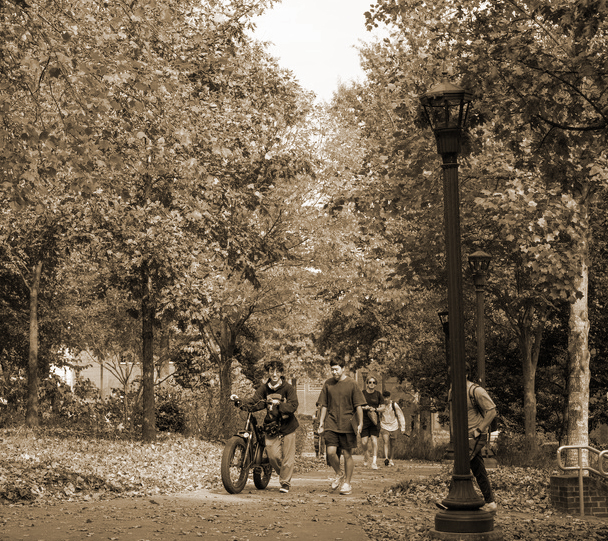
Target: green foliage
(417, 447)
(513, 449)
(599, 437)
(170, 414)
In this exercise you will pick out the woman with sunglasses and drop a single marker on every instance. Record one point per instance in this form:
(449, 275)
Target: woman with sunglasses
(371, 424)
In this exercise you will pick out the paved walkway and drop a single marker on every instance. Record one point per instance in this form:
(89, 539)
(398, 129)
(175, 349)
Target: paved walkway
(310, 511)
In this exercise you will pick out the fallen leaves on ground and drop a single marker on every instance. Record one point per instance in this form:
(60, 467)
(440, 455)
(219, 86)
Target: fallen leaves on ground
(524, 512)
(38, 468)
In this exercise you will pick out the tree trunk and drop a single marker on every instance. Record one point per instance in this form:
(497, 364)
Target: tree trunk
(529, 375)
(579, 374)
(147, 317)
(530, 335)
(31, 415)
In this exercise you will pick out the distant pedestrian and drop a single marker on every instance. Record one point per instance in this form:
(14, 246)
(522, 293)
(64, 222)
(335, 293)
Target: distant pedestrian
(391, 422)
(340, 420)
(371, 421)
(281, 402)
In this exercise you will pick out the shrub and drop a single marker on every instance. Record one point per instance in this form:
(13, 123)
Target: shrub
(599, 436)
(511, 450)
(418, 448)
(170, 416)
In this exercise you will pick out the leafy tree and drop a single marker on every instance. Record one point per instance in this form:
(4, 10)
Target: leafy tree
(32, 246)
(541, 74)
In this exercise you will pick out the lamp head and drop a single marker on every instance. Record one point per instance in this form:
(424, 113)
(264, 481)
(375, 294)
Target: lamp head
(446, 107)
(479, 262)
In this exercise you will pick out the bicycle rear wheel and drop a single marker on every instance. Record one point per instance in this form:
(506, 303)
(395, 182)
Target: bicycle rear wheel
(234, 471)
(262, 473)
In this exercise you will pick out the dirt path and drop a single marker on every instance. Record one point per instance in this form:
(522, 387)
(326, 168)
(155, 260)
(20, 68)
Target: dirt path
(309, 512)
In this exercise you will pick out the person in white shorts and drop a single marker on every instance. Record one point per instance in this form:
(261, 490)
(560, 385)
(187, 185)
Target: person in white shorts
(391, 422)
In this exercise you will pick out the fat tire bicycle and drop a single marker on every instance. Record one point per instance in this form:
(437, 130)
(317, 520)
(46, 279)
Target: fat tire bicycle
(244, 451)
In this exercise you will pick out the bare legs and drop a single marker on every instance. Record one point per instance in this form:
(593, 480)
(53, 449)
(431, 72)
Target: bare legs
(364, 442)
(334, 462)
(388, 445)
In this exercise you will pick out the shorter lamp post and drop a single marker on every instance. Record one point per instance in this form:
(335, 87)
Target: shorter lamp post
(479, 262)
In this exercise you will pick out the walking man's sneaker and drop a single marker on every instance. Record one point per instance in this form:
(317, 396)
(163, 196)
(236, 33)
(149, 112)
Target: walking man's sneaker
(391, 463)
(374, 465)
(346, 489)
(386, 461)
(284, 488)
(337, 482)
(490, 507)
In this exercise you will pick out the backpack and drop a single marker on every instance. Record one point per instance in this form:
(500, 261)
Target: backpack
(494, 424)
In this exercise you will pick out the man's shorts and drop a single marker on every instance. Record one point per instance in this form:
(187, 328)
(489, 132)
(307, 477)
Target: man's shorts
(392, 434)
(341, 440)
(370, 430)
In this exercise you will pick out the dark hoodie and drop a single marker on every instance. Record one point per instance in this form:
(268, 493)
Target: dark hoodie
(286, 409)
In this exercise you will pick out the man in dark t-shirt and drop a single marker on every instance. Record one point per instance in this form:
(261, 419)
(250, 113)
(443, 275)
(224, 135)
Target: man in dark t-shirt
(341, 403)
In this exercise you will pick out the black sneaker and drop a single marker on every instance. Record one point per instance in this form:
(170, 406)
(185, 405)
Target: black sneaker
(284, 489)
(386, 461)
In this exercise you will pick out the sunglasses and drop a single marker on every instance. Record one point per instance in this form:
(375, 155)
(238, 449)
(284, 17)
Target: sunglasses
(372, 382)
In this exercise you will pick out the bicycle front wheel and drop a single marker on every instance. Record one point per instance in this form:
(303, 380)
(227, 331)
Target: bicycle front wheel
(234, 465)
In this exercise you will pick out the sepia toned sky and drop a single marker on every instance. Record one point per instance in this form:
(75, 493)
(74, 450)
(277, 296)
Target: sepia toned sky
(315, 39)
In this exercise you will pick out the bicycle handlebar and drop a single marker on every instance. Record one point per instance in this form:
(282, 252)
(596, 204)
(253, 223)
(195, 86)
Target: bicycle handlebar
(239, 404)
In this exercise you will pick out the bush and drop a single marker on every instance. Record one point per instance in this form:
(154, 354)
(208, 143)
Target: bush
(511, 450)
(170, 415)
(418, 448)
(599, 436)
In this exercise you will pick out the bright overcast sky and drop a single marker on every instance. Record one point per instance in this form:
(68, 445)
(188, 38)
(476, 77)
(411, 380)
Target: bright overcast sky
(315, 39)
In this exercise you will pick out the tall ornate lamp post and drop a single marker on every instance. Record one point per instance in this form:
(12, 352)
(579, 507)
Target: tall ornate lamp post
(479, 262)
(446, 107)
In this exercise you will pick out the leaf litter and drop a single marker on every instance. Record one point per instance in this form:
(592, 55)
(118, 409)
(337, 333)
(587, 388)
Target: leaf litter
(524, 512)
(36, 470)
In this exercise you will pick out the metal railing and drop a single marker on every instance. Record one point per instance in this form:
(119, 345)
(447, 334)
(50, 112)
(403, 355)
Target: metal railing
(581, 468)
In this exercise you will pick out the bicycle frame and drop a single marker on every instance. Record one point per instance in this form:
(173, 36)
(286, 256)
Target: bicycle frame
(245, 451)
(254, 437)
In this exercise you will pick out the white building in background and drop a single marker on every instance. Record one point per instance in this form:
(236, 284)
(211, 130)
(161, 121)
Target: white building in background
(105, 376)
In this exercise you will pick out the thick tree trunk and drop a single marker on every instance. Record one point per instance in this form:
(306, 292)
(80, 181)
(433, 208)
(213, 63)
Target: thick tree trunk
(579, 374)
(31, 415)
(147, 316)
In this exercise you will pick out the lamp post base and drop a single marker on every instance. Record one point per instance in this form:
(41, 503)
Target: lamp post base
(494, 535)
(464, 522)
